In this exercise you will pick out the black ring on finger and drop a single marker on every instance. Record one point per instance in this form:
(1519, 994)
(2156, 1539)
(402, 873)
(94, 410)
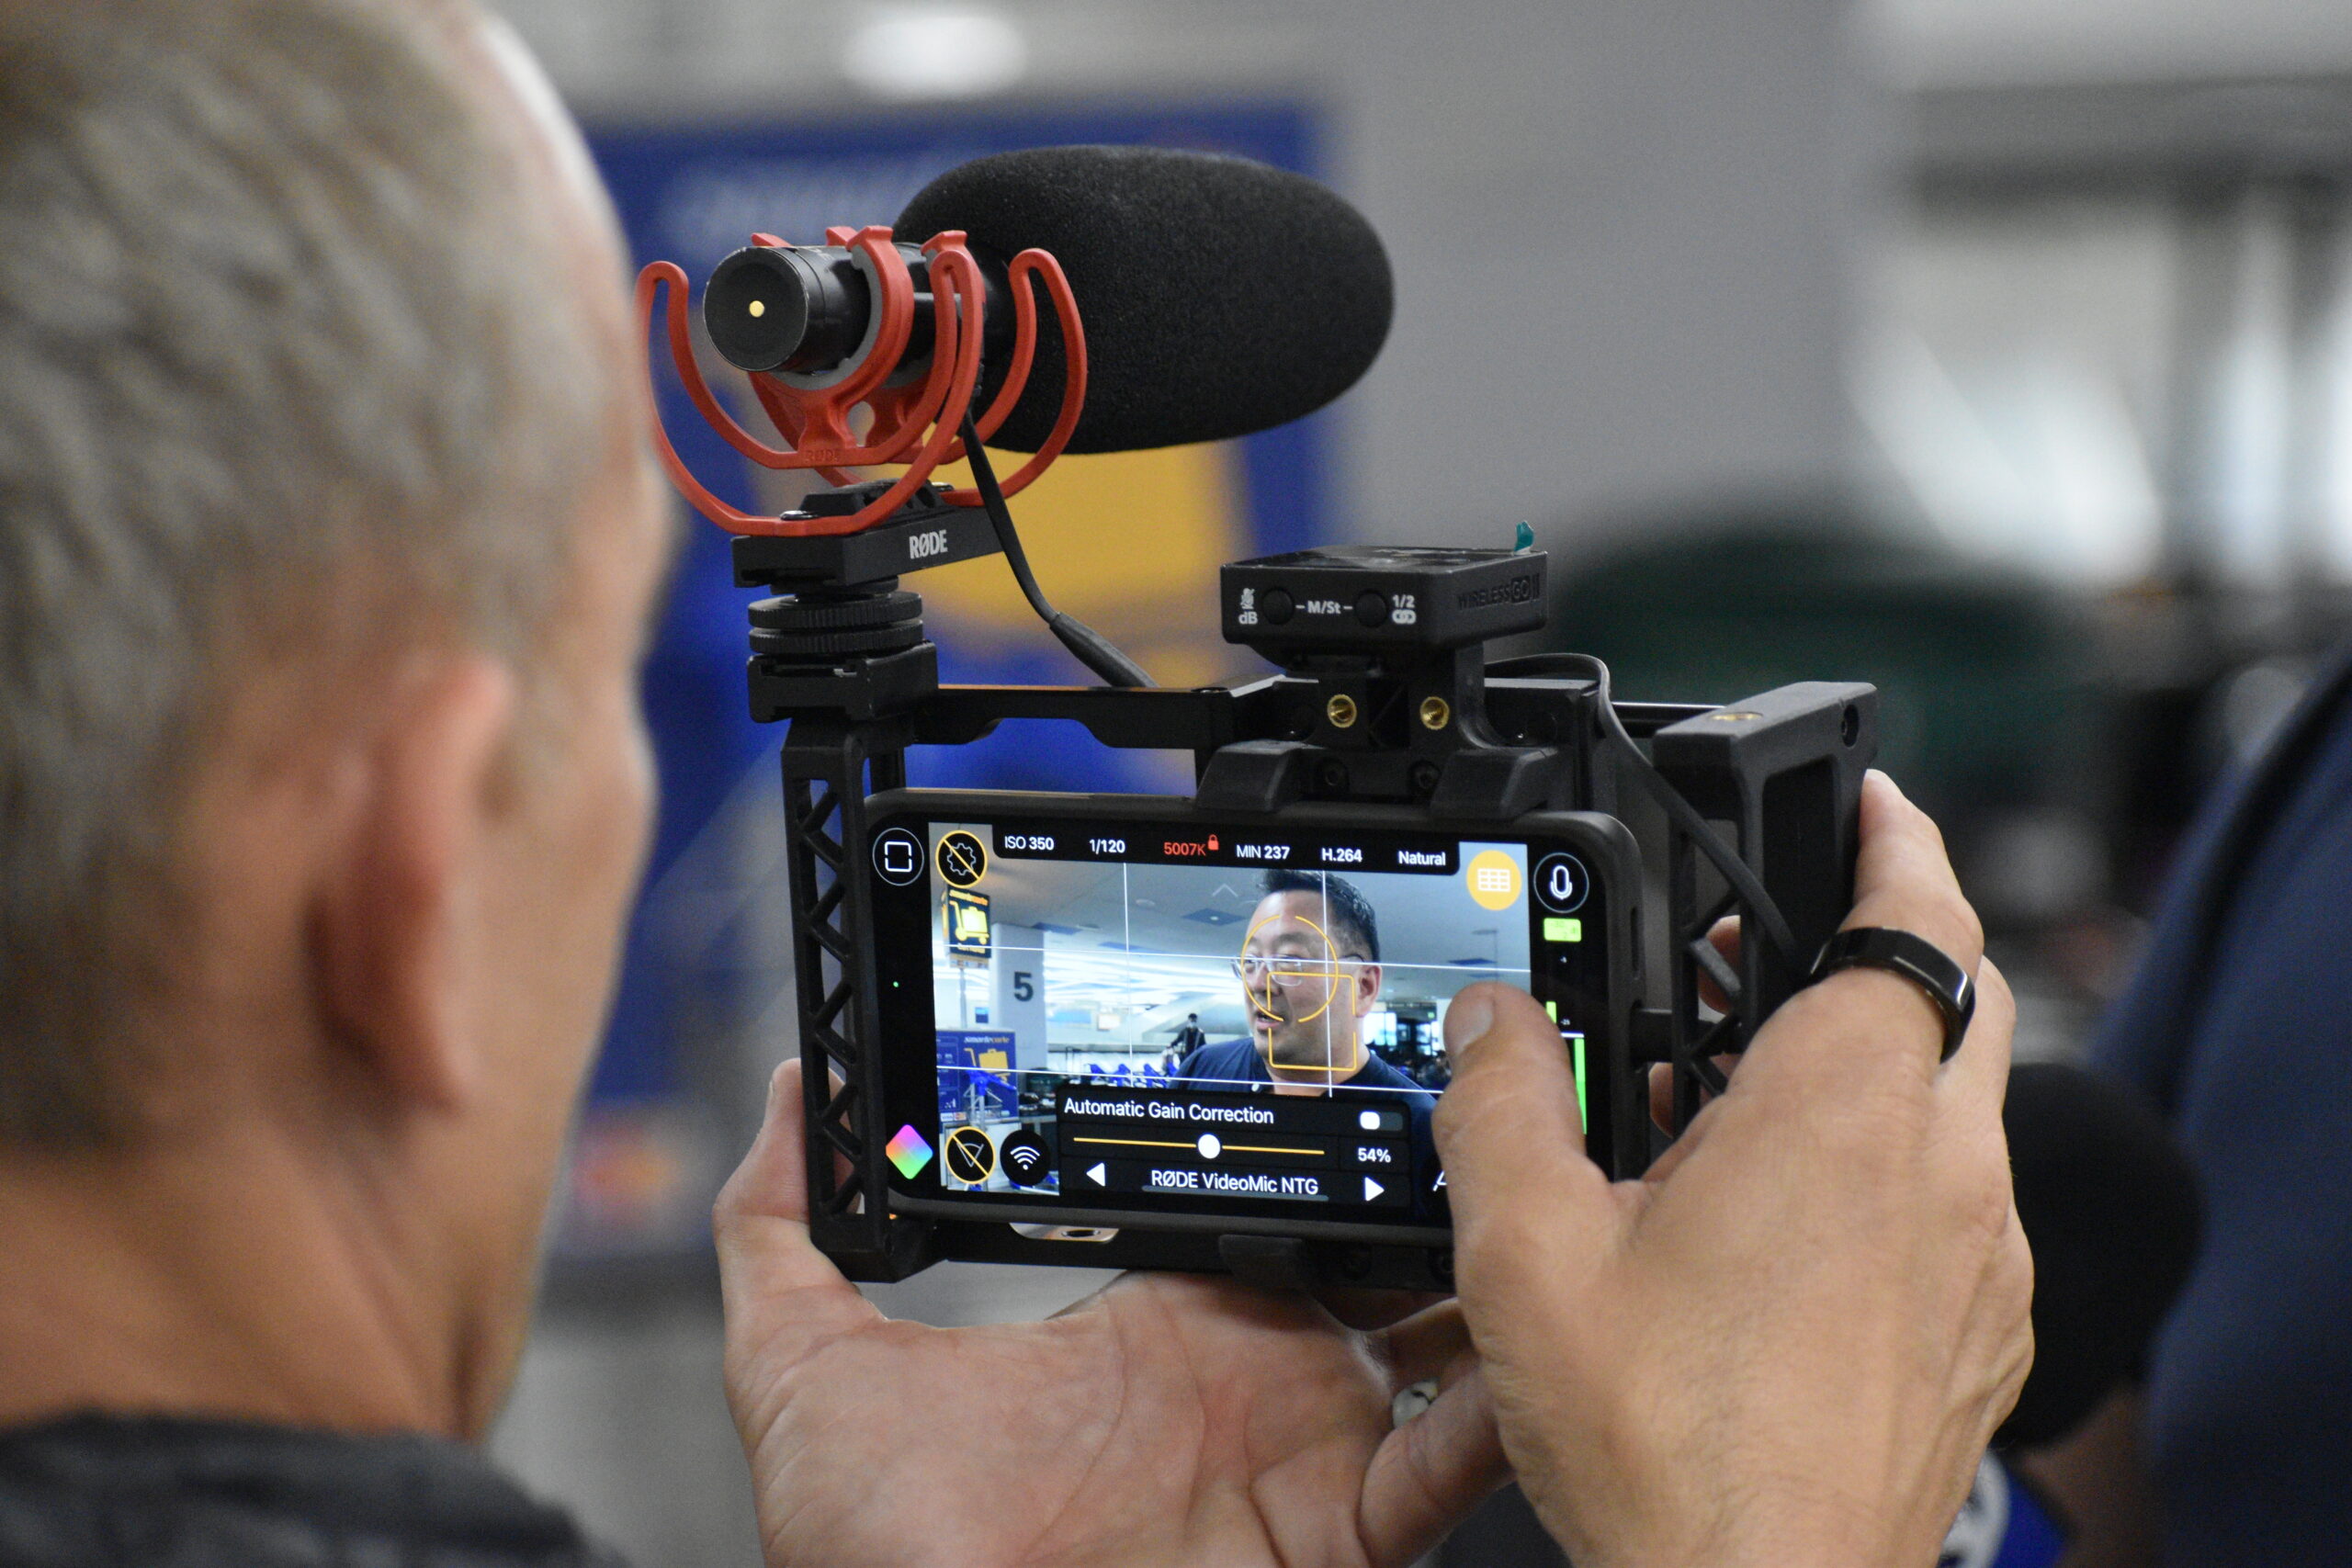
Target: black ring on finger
(1918, 960)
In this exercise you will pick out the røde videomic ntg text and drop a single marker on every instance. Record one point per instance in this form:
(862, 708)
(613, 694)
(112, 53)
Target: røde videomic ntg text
(1200, 1031)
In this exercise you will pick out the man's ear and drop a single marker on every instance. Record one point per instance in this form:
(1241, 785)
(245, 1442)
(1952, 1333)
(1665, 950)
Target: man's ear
(1367, 987)
(392, 924)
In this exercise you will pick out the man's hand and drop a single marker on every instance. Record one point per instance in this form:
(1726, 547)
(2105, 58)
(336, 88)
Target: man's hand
(1791, 1340)
(1168, 1419)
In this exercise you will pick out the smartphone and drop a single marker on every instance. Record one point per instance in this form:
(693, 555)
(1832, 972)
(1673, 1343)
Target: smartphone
(1111, 1013)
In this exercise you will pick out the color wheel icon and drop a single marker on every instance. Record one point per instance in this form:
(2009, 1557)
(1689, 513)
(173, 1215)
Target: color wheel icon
(908, 1151)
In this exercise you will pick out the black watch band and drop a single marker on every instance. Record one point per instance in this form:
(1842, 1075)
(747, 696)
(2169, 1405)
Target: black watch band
(1918, 960)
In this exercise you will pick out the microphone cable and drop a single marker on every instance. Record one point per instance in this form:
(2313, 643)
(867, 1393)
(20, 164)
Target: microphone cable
(1090, 648)
(1735, 871)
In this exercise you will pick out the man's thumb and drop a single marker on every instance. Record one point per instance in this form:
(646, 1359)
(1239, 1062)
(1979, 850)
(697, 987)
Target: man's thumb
(1512, 1137)
(779, 1290)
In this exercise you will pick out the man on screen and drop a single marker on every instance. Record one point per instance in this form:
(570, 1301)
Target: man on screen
(1310, 972)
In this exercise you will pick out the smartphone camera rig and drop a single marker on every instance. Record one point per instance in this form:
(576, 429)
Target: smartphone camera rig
(1384, 712)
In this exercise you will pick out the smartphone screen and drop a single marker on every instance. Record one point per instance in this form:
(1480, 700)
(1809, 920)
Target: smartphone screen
(1230, 1020)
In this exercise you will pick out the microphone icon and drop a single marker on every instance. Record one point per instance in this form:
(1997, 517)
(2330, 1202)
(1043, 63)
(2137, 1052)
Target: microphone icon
(1561, 882)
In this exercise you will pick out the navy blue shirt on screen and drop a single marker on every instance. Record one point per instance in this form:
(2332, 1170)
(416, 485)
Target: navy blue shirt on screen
(1236, 1061)
(2239, 1027)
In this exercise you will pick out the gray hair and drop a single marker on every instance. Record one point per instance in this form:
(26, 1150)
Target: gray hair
(281, 310)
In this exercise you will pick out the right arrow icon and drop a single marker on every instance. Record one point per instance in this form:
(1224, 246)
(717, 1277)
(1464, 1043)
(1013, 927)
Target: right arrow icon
(1371, 1189)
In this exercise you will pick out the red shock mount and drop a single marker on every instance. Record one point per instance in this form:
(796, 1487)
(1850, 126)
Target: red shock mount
(915, 418)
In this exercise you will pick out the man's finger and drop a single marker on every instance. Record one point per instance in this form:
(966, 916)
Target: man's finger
(1431, 1472)
(1976, 1079)
(1724, 936)
(776, 1285)
(1511, 1140)
(1660, 1083)
(1423, 1345)
(1866, 1025)
(1903, 877)
(1512, 1098)
(1364, 1310)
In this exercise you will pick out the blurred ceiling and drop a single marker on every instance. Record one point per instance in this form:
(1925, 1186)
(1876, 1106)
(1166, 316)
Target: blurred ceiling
(666, 55)
(1953, 44)
(619, 58)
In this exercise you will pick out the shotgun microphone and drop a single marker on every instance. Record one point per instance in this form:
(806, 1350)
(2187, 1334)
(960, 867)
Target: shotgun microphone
(1220, 295)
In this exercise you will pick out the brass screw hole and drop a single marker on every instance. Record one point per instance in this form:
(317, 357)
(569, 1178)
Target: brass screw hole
(1436, 713)
(1340, 710)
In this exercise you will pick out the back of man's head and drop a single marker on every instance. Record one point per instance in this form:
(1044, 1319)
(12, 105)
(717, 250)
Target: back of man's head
(289, 359)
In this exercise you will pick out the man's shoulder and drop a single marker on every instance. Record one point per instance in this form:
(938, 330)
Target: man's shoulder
(1378, 1074)
(1236, 1059)
(2233, 1024)
(205, 1493)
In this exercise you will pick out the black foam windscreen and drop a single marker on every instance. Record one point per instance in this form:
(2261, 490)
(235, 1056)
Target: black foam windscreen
(2110, 1206)
(1219, 296)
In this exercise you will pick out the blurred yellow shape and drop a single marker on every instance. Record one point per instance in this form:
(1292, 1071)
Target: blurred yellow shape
(1128, 542)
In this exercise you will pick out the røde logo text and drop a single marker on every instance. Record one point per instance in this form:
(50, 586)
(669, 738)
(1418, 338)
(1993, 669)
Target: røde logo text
(921, 547)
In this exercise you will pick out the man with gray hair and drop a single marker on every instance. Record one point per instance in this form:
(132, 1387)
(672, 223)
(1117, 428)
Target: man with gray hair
(327, 546)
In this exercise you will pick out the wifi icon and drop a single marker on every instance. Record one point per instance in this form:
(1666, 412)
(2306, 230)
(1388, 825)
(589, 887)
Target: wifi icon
(1025, 1157)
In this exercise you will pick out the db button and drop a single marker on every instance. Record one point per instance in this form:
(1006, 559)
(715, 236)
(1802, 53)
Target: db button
(1561, 882)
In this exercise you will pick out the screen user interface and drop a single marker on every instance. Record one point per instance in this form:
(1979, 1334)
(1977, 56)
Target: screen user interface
(1138, 1017)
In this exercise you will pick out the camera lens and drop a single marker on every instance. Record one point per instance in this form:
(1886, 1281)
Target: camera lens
(786, 309)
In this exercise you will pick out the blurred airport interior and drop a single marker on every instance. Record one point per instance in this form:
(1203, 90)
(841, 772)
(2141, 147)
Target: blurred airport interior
(1993, 351)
